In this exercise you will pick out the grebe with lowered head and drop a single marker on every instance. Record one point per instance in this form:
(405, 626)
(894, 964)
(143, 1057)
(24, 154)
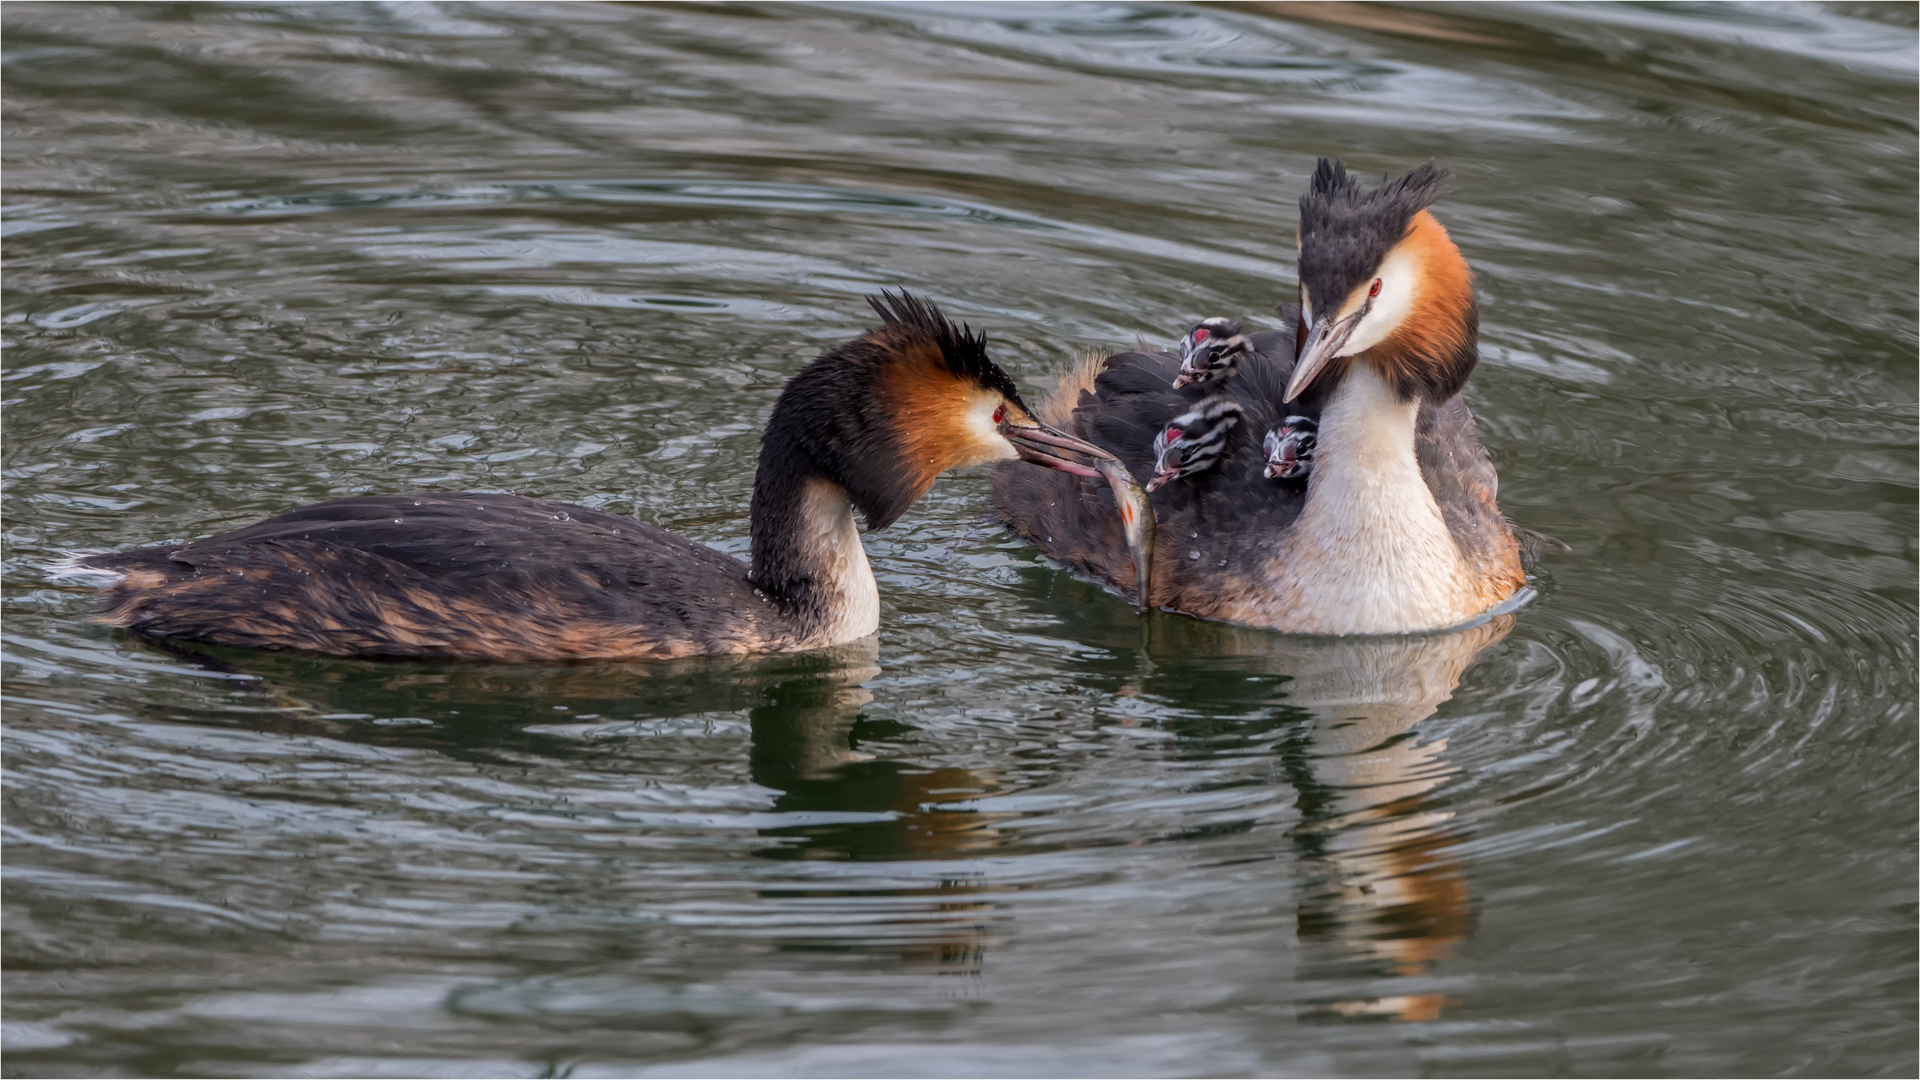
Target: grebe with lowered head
(866, 427)
(1397, 528)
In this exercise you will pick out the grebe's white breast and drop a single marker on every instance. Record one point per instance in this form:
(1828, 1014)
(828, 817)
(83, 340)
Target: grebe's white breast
(1370, 552)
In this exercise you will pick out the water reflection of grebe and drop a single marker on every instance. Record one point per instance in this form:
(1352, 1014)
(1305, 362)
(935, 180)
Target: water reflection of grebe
(805, 716)
(1382, 894)
(1385, 889)
(873, 811)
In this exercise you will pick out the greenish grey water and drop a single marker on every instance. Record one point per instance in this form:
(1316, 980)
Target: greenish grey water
(1662, 822)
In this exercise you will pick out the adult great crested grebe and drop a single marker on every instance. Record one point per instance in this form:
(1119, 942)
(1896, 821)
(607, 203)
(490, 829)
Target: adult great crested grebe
(504, 577)
(1396, 530)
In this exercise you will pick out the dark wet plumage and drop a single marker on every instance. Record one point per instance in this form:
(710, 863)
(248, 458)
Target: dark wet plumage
(468, 576)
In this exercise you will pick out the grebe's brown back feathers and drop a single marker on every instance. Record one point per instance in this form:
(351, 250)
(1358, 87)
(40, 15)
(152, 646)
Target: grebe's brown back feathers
(458, 576)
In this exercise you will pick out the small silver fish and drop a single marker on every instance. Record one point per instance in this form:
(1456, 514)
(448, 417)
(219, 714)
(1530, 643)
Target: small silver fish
(1136, 517)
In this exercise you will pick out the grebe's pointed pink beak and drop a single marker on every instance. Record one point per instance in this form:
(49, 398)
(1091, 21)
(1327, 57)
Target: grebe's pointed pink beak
(1324, 340)
(1042, 445)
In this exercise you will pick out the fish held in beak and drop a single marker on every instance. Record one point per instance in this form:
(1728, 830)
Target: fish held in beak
(1136, 518)
(1042, 445)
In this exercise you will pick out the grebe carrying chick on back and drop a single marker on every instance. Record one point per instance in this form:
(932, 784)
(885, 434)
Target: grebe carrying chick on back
(866, 427)
(1326, 480)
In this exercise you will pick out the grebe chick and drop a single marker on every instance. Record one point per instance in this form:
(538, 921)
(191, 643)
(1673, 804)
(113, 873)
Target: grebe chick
(865, 427)
(1397, 529)
(1210, 352)
(1194, 441)
(1290, 447)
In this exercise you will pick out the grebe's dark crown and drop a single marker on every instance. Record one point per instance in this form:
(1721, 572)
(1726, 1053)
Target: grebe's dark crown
(1346, 232)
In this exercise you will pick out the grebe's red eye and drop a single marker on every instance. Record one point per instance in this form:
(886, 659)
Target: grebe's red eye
(1201, 335)
(999, 414)
(1375, 291)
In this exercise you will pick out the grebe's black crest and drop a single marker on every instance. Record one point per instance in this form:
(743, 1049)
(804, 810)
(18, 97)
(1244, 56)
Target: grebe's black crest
(964, 351)
(1345, 232)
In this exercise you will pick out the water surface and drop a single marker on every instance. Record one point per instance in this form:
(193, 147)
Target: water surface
(1659, 822)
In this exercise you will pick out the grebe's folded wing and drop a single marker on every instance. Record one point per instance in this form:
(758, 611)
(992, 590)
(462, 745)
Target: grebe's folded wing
(1121, 405)
(474, 536)
(481, 576)
(1072, 519)
(1461, 476)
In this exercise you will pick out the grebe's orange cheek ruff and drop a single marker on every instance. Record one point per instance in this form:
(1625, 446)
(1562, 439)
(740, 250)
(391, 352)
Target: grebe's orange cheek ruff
(946, 419)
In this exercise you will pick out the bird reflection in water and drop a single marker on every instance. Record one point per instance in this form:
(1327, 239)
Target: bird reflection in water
(869, 810)
(1382, 895)
(1383, 890)
(805, 716)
